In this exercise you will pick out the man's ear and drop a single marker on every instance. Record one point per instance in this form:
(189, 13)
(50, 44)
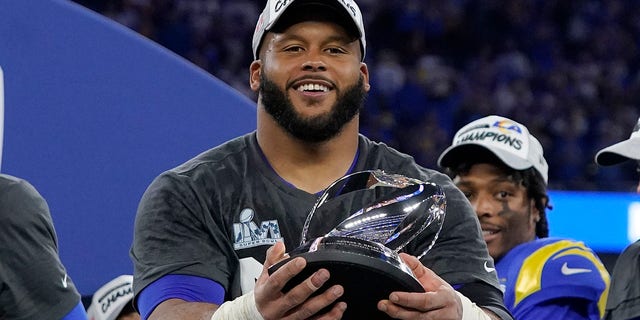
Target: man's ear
(364, 70)
(535, 213)
(255, 71)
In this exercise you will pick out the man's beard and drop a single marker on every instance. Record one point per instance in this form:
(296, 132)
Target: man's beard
(318, 128)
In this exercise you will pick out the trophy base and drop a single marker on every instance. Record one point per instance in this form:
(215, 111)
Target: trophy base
(366, 279)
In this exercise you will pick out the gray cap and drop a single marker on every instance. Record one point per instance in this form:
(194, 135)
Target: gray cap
(622, 151)
(347, 13)
(510, 141)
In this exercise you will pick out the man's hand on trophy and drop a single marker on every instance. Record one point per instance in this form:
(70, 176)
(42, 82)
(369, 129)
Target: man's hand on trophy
(299, 302)
(440, 301)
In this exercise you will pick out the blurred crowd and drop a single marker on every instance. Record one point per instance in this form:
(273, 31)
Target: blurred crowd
(568, 70)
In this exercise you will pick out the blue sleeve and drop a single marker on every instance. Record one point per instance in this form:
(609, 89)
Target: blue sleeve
(575, 274)
(77, 313)
(565, 309)
(560, 272)
(177, 286)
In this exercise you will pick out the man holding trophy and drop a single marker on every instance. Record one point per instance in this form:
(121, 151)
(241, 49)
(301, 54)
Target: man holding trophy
(211, 235)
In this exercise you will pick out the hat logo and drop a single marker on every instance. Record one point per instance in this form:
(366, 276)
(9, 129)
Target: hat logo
(489, 136)
(507, 126)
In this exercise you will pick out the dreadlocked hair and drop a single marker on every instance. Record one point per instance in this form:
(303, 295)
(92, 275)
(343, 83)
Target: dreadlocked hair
(536, 190)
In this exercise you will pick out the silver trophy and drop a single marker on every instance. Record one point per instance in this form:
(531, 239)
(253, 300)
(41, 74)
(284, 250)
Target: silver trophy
(362, 251)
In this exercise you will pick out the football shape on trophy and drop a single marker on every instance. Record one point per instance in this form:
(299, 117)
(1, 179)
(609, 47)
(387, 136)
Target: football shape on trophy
(362, 251)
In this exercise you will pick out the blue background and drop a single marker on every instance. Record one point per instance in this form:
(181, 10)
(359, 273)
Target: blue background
(600, 219)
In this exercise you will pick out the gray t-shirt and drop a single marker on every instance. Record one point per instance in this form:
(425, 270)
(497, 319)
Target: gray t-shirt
(215, 215)
(33, 282)
(624, 294)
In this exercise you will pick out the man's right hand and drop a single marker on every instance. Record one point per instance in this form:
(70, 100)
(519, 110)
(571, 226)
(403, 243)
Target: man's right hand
(297, 303)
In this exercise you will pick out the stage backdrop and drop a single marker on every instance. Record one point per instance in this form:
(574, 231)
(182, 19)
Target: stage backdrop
(93, 112)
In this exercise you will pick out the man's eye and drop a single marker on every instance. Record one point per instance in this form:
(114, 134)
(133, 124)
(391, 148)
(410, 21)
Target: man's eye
(293, 49)
(503, 194)
(335, 50)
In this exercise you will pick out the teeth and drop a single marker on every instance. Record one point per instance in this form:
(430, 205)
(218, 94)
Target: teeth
(486, 233)
(313, 87)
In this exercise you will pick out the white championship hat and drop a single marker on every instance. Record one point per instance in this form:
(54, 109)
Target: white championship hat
(345, 12)
(111, 298)
(624, 150)
(510, 141)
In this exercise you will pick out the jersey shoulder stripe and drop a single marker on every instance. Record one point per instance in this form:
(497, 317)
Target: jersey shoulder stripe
(552, 268)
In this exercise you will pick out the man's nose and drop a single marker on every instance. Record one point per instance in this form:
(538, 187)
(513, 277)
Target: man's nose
(483, 206)
(314, 65)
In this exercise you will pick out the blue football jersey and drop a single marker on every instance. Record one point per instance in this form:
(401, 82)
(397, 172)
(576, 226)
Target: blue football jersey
(553, 278)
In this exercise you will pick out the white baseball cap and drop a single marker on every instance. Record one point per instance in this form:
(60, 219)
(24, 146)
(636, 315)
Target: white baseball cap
(509, 140)
(624, 150)
(344, 12)
(111, 298)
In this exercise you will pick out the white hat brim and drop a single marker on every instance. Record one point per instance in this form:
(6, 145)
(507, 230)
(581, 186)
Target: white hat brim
(622, 151)
(456, 154)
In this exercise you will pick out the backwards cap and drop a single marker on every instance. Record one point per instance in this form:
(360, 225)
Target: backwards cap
(621, 151)
(510, 141)
(111, 298)
(344, 12)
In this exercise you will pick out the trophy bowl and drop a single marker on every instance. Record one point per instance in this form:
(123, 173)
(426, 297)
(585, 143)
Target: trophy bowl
(362, 252)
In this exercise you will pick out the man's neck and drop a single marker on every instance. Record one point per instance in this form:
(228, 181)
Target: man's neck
(309, 166)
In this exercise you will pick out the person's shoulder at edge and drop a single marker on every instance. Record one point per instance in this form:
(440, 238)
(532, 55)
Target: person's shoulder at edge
(6, 179)
(20, 192)
(9, 181)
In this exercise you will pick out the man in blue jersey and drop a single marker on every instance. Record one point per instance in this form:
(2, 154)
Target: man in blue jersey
(207, 231)
(500, 167)
(33, 281)
(624, 296)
